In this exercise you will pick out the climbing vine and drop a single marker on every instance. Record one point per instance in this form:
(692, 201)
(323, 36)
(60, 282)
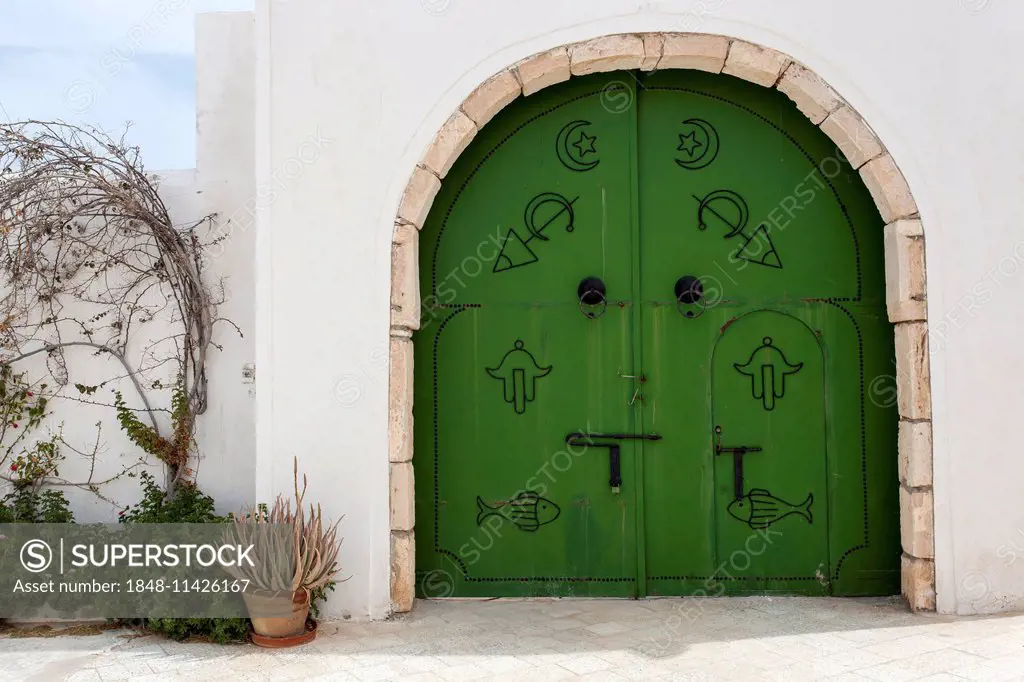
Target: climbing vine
(89, 260)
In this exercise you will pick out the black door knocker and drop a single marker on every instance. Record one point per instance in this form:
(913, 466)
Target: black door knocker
(591, 293)
(690, 301)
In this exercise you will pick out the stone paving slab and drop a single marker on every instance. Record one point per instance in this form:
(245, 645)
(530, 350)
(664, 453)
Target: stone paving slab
(789, 639)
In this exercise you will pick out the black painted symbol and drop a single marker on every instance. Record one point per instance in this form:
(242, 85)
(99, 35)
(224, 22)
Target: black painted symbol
(527, 511)
(768, 369)
(698, 143)
(543, 211)
(575, 148)
(518, 371)
(725, 208)
(760, 509)
(759, 249)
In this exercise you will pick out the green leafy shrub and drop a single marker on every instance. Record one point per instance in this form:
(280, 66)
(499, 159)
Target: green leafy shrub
(30, 505)
(219, 630)
(22, 407)
(22, 410)
(188, 505)
(317, 597)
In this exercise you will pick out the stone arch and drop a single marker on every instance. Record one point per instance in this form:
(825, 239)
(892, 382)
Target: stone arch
(904, 258)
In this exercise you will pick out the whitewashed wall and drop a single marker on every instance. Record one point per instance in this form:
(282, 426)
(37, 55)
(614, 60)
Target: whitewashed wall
(225, 178)
(368, 84)
(223, 184)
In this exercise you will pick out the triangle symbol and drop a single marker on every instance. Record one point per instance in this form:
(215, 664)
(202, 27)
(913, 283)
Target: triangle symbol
(514, 253)
(759, 249)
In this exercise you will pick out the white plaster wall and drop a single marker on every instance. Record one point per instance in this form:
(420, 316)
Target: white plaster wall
(378, 79)
(223, 184)
(225, 433)
(225, 138)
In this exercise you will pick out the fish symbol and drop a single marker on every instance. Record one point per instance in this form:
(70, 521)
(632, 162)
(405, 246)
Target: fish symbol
(760, 509)
(528, 511)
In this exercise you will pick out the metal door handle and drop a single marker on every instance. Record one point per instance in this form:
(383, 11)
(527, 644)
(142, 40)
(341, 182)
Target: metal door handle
(611, 441)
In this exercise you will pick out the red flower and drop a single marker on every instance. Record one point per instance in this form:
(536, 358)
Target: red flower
(14, 425)
(14, 467)
(30, 394)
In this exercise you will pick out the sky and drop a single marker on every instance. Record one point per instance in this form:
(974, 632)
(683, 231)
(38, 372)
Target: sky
(107, 63)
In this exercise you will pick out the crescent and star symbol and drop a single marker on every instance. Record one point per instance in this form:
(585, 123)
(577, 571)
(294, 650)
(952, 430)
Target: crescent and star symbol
(689, 143)
(699, 143)
(585, 144)
(577, 150)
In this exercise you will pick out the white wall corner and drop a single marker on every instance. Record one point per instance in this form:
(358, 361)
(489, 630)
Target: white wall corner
(263, 289)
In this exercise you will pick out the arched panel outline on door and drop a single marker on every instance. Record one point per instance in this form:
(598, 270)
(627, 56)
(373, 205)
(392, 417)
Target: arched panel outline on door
(856, 142)
(828, 454)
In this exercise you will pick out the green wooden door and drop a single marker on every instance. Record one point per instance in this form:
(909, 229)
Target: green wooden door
(507, 365)
(714, 373)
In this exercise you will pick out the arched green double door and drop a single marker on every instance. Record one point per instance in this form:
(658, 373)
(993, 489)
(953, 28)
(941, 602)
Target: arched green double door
(653, 316)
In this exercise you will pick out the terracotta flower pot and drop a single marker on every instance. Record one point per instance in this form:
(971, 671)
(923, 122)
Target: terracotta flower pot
(284, 642)
(278, 614)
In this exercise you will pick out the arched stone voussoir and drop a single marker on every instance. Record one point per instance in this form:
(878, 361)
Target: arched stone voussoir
(761, 65)
(852, 135)
(889, 188)
(453, 138)
(694, 51)
(543, 70)
(493, 95)
(811, 94)
(610, 53)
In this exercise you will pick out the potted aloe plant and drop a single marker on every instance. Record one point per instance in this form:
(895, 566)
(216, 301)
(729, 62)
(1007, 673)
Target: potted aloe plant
(295, 554)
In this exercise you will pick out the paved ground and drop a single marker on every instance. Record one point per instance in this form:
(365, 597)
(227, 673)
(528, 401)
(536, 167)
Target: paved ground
(760, 638)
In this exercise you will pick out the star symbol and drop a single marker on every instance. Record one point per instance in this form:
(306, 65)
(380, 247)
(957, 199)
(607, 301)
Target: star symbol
(585, 144)
(689, 143)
